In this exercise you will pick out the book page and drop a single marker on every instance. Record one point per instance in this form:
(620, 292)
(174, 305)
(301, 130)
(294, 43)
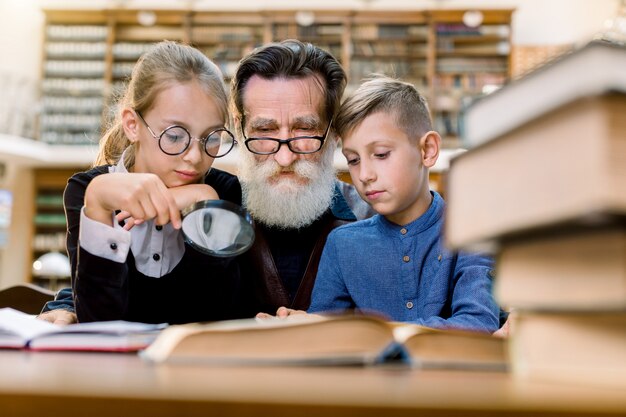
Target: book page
(403, 331)
(110, 327)
(24, 325)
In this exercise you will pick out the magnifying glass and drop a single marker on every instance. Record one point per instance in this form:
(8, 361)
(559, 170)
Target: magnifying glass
(218, 228)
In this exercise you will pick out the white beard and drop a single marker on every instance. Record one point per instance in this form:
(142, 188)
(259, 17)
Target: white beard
(287, 204)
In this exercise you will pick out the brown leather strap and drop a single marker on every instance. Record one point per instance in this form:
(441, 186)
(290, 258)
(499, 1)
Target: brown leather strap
(270, 286)
(302, 299)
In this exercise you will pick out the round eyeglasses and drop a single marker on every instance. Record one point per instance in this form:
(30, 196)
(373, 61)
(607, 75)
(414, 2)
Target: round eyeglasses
(174, 140)
(299, 144)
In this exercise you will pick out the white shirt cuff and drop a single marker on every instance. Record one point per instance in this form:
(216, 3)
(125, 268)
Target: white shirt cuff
(112, 243)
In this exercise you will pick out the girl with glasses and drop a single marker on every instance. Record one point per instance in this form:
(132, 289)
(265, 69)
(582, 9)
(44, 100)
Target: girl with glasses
(129, 259)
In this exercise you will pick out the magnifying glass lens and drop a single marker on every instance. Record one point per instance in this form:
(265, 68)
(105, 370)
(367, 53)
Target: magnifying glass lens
(218, 228)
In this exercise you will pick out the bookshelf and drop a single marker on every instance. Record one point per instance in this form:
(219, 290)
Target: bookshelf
(468, 62)
(449, 62)
(128, 40)
(391, 43)
(73, 74)
(49, 225)
(225, 37)
(326, 30)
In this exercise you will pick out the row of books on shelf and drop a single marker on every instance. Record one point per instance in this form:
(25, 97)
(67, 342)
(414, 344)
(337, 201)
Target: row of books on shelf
(226, 51)
(466, 64)
(449, 46)
(460, 29)
(226, 33)
(130, 50)
(49, 200)
(50, 219)
(413, 49)
(49, 242)
(72, 122)
(468, 83)
(375, 32)
(89, 68)
(76, 32)
(388, 31)
(400, 68)
(70, 68)
(137, 33)
(74, 86)
(333, 31)
(62, 137)
(542, 187)
(380, 49)
(78, 50)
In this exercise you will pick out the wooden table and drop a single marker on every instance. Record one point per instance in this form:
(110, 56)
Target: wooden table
(93, 384)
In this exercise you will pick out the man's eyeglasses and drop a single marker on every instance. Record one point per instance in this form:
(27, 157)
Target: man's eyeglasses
(174, 140)
(299, 144)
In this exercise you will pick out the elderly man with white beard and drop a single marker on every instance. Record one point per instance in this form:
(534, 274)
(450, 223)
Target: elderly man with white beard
(283, 98)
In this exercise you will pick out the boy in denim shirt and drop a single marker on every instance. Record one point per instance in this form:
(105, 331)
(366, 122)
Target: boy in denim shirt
(395, 263)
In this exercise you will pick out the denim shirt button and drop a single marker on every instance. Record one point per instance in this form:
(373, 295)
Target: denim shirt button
(406, 258)
(409, 305)
(403, 231)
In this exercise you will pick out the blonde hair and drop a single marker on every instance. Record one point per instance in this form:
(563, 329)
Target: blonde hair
(166, 63)
(384, 94)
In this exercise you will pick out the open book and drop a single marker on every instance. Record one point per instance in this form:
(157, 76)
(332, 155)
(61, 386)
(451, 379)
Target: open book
(347, 339)
(23, 331)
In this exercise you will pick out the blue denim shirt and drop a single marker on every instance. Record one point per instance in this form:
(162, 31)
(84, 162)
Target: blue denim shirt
(406, 273)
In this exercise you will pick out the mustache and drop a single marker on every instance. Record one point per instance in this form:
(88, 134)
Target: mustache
(302, 168)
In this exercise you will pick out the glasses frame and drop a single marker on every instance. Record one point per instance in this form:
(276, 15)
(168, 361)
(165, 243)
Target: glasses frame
(287, 141)
(201, 140)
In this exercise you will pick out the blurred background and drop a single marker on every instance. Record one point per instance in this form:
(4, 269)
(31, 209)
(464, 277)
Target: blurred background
(64, 61)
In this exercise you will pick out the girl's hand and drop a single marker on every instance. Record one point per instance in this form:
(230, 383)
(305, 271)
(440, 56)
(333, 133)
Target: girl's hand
(129, 221)
(184, 196)
(141, 196)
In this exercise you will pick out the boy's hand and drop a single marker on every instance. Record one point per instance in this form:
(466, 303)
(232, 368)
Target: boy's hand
(506, 329)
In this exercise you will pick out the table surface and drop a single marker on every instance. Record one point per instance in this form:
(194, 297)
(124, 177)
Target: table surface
(113, 384)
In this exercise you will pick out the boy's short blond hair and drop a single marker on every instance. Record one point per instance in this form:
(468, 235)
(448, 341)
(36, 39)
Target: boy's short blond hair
(385, 94)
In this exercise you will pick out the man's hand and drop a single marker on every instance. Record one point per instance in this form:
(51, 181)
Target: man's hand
(59, 316)
(284, 312)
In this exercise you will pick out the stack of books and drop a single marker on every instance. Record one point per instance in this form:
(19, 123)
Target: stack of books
(543, 186)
